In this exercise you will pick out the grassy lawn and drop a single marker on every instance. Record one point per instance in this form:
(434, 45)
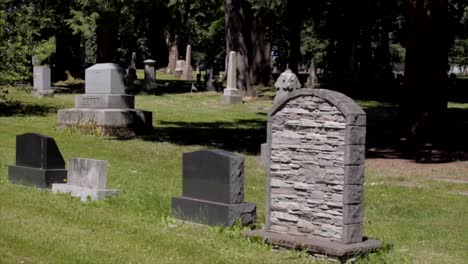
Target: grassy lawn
(419, 219)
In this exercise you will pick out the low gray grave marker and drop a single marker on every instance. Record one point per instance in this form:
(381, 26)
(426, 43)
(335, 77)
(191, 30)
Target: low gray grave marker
(150, 74)
(316, 146)
(86, 178)
(213, 189)
(41, 82)
(39, 162)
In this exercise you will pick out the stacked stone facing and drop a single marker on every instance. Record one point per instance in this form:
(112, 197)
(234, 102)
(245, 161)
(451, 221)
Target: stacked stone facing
(316, 146)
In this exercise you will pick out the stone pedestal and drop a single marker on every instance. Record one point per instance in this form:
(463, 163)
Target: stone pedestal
(41, 82)
(87, 179)
(231, 96)
(39, 162)
(105, 109)
(213, 189)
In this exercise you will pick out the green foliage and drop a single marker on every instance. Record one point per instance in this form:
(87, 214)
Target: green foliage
(19, 29)
(459, 53)
(44, 49)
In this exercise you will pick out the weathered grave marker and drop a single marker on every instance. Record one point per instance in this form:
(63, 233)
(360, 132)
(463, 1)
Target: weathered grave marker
(41, 82)
(150, 75)
(213, 189)
(86, 178)
(316, 146)
(39, 162)
(105, 109)
(180, 65)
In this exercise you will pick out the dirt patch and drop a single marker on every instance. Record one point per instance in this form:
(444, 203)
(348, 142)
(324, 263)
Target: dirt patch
(455, 172)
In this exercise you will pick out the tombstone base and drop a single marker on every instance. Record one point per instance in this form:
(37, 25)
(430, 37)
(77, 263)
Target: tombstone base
(43, 93)
(232, 99)
(40, 178)
(106, 122)
(83, 192)
(212, 213)
(188, 77)
(317, 244)
(105, 101)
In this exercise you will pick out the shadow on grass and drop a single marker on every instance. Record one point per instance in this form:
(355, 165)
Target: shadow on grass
(17, 108)
(383, 139)
(243, 135)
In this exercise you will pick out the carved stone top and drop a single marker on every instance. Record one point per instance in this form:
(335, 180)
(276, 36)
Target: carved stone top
(286, 83)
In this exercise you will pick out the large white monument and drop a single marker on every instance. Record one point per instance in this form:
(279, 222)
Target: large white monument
(231, 94)
(105, 109)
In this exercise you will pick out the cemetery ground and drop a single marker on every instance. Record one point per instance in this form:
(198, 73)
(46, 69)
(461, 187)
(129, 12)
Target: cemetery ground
(418, 211)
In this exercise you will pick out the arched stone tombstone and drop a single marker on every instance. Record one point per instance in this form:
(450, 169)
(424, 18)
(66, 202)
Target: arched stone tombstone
(316, 146)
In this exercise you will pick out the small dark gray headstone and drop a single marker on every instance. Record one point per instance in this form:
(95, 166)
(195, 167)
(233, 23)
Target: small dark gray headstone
(213, 189)
(38, 162)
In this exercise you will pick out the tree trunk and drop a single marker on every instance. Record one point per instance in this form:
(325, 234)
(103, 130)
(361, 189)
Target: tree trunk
(105, 39)
(295, 22)
(67, 56)
(237, 16)
(423, 107)
(261, 49)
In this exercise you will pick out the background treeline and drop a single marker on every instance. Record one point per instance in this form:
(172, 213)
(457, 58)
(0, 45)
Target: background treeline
(356, 44)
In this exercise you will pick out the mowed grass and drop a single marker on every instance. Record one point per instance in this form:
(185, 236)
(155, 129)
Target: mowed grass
(416, 225)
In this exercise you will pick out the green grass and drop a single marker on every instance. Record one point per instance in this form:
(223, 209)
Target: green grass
(416, 225)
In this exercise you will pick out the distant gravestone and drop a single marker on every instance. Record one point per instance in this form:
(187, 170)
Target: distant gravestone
(316, 146)
(86, 178)
(187, 72)
(35, 61)
(150, 74)
(180, 64)
(105, 109)
(312, 80)
(131, 72)
(231, 95)
(213, 189)
(286, 83)
(42, 82)
(173, 55)
(39, 162)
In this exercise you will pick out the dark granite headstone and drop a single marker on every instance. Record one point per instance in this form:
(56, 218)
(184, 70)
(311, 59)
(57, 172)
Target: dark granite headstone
(38, 162)
(213, 189)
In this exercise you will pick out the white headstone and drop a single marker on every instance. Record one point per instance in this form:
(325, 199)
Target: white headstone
(187, 74)
(41, 79)
(232, 71)
(231, 94)
(105, 78)
(87, 173)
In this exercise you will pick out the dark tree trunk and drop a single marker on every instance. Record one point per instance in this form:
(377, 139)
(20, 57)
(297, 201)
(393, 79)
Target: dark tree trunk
(67, 56)
(295, 22)
(105, 38)
(261, 49)
(238, 39)
(423, 107)
(346, 49)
